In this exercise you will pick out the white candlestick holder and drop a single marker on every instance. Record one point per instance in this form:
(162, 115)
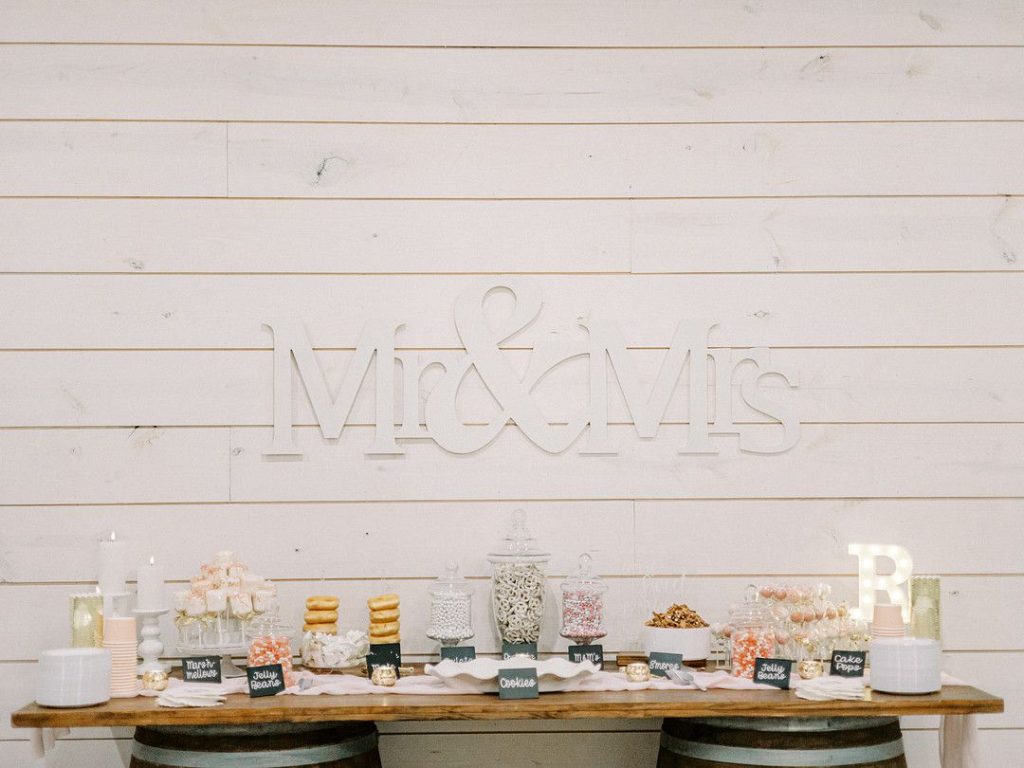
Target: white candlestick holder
(150, 647)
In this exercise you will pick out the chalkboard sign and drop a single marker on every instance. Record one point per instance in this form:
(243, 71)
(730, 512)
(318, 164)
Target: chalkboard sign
(518, 684)
(201, 669)
(460, 654)
(383, 654)
(266, 680)
(594, 653)
(773, 672)
(660, 662)
(848, 663)
(508, 650)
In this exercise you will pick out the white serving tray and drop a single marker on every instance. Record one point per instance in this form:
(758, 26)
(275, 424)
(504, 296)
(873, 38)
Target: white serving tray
(481, 675)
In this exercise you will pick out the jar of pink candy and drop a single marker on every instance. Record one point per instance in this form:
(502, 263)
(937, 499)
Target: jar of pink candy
(583, 605)
(270, 642)
(751, 634)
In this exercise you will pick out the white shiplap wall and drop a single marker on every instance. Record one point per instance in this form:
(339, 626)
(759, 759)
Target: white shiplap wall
(837, 181)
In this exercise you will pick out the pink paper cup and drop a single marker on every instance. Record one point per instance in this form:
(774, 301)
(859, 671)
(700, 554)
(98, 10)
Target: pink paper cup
(119, 629)
(887, 616)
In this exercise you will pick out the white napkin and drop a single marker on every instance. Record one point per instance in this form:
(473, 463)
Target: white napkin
(199, 695)
(44, 740)
(958, 742)
(829, 688)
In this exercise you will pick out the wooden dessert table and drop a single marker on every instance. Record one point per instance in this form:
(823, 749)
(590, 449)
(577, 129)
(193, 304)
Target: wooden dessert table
(717, 728)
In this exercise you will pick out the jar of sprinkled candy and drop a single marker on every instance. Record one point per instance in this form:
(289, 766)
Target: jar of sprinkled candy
(751, 634)
(518, 583)
(451, 599)
(583, 605)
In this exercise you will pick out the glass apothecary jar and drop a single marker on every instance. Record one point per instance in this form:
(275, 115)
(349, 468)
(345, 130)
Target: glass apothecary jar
(583, 605)
(752, 634)
(270, 642)
(517, 583)
(451, 604)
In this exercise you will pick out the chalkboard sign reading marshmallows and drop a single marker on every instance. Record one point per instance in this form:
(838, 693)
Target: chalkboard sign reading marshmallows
(266, 680)
(773, 672)
(848, 663)
(201, 669)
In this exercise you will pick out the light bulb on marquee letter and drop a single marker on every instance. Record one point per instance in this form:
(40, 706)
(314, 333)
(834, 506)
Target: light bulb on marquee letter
(896, 584)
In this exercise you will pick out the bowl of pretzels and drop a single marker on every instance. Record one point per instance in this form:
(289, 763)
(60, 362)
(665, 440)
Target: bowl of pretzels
(678, 629)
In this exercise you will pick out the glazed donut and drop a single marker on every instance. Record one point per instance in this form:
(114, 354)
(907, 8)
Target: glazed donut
(321, 603)
(382, 630)
(321, 617)
(382, 639)
(379, 617)
(382, 602)
(324, 629)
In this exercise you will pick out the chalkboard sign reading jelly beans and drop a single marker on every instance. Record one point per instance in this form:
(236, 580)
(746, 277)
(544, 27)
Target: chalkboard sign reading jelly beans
(773, 672)
(265, 681)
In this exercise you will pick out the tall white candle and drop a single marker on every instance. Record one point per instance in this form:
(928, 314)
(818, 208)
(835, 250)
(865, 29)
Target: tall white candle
(151, 587)
(113, 565)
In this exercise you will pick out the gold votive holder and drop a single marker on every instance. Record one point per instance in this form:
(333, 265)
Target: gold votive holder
(87, 620)
(638, 672)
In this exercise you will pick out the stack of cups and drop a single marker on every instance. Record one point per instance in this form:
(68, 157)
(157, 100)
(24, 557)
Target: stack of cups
(888, 621)
(119, 638)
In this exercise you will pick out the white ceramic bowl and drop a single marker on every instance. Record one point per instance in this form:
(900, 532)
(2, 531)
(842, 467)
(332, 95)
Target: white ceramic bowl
(73, 677)
(693, 644)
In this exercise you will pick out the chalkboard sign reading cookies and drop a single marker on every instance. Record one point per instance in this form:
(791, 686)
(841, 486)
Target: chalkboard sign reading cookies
(594, 653)
(518, 684)
(773, 672)
(266, 680)
(201, 669)
(458, 653)
(509, 650)
(661, 663)
(848, 663)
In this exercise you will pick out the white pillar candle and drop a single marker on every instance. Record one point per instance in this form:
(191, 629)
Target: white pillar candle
(151, 587)
(113, 565)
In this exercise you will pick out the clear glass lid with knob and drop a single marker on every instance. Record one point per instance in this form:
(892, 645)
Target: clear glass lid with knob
(583, 604)
(451, 600)
(517, 583)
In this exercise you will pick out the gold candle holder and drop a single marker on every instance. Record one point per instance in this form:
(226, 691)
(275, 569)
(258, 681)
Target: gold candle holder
(87, 621)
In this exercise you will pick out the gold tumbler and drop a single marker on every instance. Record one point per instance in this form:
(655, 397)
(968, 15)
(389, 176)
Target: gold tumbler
(87, 621)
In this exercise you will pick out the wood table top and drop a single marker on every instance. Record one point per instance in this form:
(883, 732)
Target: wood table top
(240, 709)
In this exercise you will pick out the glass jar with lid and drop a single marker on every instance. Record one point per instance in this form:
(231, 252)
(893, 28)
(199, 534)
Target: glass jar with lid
(270, 642)
(451, 597)
(752, 635)
(583, 605)
(518, 584)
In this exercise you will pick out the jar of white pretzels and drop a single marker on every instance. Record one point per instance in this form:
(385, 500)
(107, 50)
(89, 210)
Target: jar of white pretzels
(451, 597)
(518, 584)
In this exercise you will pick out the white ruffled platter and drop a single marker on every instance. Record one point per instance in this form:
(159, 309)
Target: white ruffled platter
(481, 675)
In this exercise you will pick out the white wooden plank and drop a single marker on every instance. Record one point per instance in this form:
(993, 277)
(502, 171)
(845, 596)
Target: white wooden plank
(113, 465)
(115, 388)
(836, 235)
(820, 531)
(830, 461)
(509, 85)
(629, 601)
(997, 747)
(59, 543)
(112, 159)
(313, 236)
(228, 311)
(71, 753)
(495, 161)
(574, 23)
(373, 236)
